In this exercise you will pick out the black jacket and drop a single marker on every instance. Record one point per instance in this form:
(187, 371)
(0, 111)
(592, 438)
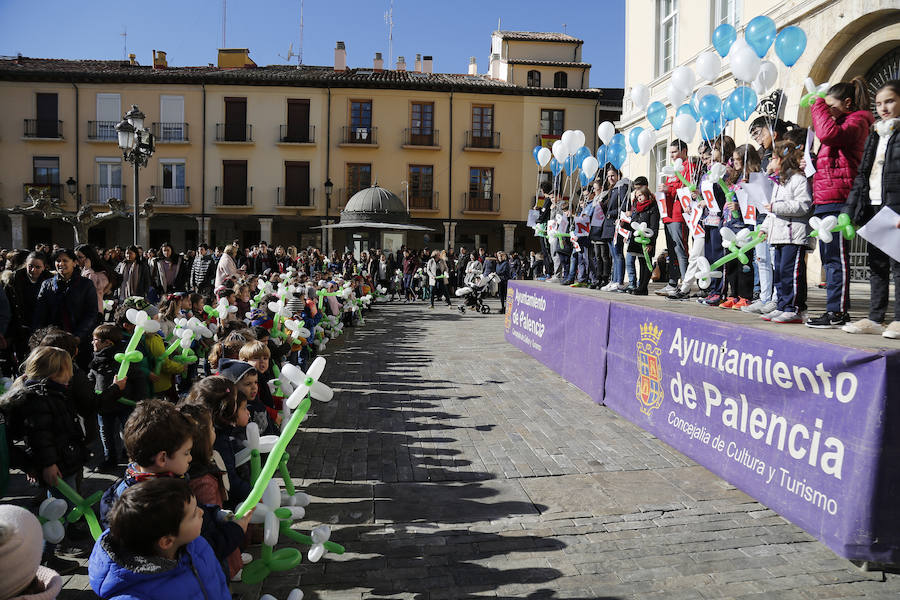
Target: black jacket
(41, 414)
(616, 198)
(103, 370)
(203, 273)
(650, 216)
(71, 305)
(857, 205)
(22, 295)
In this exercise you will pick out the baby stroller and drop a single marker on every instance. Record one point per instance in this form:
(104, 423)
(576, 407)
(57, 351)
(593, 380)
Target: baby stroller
(477, 288)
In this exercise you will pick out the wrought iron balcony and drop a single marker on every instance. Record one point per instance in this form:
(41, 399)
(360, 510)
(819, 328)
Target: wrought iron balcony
(170, 132)
(43, 129)
(420, 137)
(171, 196)
(306, 198)
(102, 131)
(51, 190)
(297, 135)
(100, 194)
(481, 202)
(365, 136)
(423, 200)
(234, 197)
(234, 132)
(478, 140)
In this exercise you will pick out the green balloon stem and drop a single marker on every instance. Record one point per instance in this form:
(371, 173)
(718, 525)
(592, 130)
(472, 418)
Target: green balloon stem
(301, 538)
(286, 475)
(82, 507)
(685, 182)
(128, 356)
(272, 461)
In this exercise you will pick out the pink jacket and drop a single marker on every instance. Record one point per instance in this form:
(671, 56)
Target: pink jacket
(842, 141)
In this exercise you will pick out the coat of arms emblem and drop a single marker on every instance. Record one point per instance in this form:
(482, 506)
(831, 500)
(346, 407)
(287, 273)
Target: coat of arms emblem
(649, 390)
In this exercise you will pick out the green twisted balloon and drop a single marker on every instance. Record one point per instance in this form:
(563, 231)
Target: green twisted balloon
(82, 507)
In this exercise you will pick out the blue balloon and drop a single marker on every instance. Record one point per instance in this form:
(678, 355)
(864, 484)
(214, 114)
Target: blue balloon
(729, 110)
(617, 156)
(633, 138)
(790, 44)
(581, 154)
(711, 128)
(743, 99)
(569, 165)
(656, 114)
(723, 37)
(617, 140)
(555, 167)
(584, 179)
(603, 155)
(760, 34)
(687, 109)
(710, 106)
(535, 154)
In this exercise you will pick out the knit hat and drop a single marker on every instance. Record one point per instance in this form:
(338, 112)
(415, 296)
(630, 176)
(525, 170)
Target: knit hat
(21, 546)
(235, 370)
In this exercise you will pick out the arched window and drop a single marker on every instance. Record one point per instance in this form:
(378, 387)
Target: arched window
(560, 80)
(534, 78)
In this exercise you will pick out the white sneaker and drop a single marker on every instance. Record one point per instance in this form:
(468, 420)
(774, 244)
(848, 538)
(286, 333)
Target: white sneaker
(611, 286)
(770, 315)
(892, 332)
(864, 326)
(787, 317)
(553, 279)
(760, 308)
(669, 289)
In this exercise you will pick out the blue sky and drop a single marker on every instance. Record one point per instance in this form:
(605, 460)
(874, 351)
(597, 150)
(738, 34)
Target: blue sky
(190, 31)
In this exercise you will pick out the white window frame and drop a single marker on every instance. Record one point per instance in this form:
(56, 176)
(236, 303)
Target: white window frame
(724, 11)
(174, 132)
(173, 196)
(105, 187)
(659, 157)
(107, 132)
(661, 22)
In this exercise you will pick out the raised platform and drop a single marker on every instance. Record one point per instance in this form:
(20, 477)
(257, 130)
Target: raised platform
(808, 427)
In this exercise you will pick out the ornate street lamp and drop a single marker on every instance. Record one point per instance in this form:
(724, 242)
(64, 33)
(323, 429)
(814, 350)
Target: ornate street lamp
(72, 188)
(137, 147)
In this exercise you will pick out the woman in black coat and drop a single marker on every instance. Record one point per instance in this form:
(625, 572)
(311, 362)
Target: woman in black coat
(647, 212)
(613, 201)
(22, 293)
(68, 301)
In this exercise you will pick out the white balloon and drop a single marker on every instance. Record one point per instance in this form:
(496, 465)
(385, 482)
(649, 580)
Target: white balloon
(683, 78)
(295, 594)
(559, 151)
(316, 553)
(544, 156)
(272, 495)
(270, 530)
(684, 127)
(577, 139)
(709, 65)
(54, 531)
(53, 509)
(640, 96)
(645, 141)
(606, 131)
(567, 141)
(767, 76)
(676, 95)
(744, 61)
(758, 87)
(589, 166)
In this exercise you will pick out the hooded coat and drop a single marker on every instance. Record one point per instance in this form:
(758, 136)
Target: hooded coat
(837, 162)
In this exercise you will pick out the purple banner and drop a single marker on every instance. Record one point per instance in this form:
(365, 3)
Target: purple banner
(574, 347)
(804, 427)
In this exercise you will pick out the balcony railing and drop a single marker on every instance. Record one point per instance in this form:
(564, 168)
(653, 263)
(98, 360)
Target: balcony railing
(367, 136)
(170, 132)
(43, 129)
(100, 194)
(419, 137)
(102, 131)
(51, 190)
(476, 139)
(234, 132)
(481, 202)
(297, 135)
(234, 196)
(306, 198)
(423, 201)
(171, 196)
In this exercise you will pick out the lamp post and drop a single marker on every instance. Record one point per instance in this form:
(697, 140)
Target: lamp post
(72, 188)
(329, 187)
(137, 145)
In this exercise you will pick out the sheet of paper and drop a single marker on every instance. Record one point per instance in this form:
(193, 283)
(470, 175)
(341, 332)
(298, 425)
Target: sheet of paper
(748, 211)
(598, 216)
(883, 233)
(759, 189)
(582, 225)
(661, 202)
(696, 225)
(533, 217)
(684, 196)
(807, 156)
(709, 197)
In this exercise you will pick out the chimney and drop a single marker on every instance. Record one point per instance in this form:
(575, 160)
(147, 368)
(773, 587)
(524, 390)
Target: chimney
(131, 59)
(340, 57)
(418, 66)
(427, 63)
(235, 58)
(159, 60)
(379, 63)
(401, 63)
(473, 66)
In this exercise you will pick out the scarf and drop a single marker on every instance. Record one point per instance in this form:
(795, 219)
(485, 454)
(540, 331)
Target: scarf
(134, 475)
(642, 205)
(887, 127)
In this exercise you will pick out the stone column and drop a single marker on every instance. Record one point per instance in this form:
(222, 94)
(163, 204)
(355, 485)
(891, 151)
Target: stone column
(477, 244)
(203, 223)
(18, 231)
(509, 237)
(265, 230)
(448, 242)
(327, 237)
(144, 232)
(453, 235)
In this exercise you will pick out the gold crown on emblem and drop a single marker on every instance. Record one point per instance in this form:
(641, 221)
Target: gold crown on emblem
(651, 333)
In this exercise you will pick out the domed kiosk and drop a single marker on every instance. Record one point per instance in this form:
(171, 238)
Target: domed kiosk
(375, 218)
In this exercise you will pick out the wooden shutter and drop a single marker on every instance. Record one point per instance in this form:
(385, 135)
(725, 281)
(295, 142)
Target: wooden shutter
(234, 182)
(47, 115)
(298, 120)
(296, 183)
(235, 119)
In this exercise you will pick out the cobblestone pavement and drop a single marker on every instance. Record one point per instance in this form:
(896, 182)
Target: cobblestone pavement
(451, 465)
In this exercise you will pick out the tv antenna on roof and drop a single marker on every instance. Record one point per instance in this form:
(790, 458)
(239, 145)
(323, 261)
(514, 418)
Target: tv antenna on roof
(389, 20)
(124, 35)
(299, 53)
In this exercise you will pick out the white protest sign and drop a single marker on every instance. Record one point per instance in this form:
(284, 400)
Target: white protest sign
(661, 201)
(709, 197)
(582, 225)
(748, 211)
(684, 196)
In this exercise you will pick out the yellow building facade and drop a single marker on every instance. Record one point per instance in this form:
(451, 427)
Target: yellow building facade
(845, 38)
(245, 152)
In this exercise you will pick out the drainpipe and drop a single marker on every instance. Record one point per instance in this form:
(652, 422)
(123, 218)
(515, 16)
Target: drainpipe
(452, 244)
(596, 117)
(77, 164)
(203, 174)
(327, 169)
